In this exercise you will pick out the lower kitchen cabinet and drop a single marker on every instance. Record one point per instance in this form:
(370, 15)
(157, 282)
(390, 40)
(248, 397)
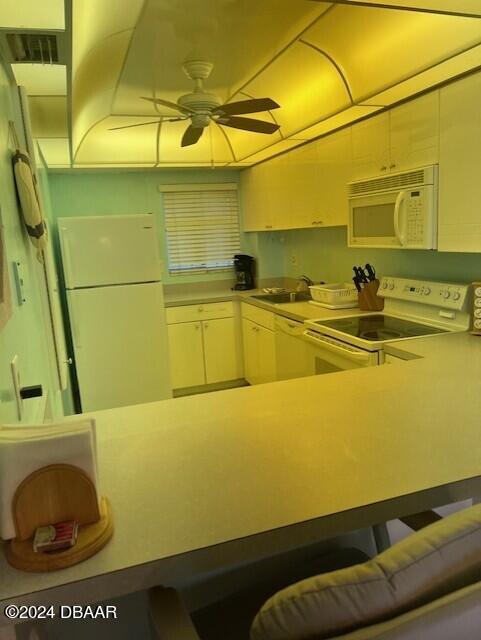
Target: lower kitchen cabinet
(203, 351)
(221, 350)
(186, 354)
(259, 353)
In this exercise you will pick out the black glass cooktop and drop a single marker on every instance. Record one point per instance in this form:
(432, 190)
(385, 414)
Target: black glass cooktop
(378, 327)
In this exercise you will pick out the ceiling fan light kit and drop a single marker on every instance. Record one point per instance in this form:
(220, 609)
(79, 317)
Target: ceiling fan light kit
(203, 108)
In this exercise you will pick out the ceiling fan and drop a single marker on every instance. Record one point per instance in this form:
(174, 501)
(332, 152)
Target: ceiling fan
(202, 108)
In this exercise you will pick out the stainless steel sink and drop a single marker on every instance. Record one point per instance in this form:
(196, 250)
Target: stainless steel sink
(284, 298)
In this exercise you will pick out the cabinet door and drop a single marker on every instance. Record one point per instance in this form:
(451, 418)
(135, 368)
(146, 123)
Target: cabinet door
(186, 355)
(266, 355)
(303, 183)
(254, 198)
(370, 147)
(334, 163)
(459, 162)
(281, 192)
(414, 133)
(220, 350)
(251, 365)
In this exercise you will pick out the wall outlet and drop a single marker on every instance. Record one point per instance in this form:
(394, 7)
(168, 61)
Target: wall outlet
(294, 260)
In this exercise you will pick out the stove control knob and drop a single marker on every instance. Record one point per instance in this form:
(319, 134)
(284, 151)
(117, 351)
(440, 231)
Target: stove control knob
(477, 324)
(456, 295)
(446, 294)
(391, 286)
(384, 286)
(426, 291)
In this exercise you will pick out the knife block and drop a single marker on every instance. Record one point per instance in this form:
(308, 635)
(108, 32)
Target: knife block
(52, 494)
(368, 299)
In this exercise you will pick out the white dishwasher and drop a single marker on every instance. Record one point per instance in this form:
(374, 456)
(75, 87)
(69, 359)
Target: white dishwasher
(292, 351)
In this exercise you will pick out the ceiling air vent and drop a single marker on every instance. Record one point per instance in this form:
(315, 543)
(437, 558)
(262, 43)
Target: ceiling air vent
(33, 47)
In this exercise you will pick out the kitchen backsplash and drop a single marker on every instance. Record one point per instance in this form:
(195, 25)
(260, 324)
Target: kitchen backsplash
(323, 254)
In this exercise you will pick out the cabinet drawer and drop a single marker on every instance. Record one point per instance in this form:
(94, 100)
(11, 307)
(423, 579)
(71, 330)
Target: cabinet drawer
(195, 312)
(258, 315)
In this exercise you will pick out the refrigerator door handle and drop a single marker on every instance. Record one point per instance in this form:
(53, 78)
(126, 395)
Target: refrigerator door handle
(67, 260)
(74, 325)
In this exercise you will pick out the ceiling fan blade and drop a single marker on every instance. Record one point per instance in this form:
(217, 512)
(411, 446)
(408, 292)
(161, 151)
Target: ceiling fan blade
(167, 103)
(248, 124)
(247, 106)
(191, 135)
(129, 126)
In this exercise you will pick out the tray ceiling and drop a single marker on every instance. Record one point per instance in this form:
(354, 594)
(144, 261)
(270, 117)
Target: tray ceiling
(326, 63)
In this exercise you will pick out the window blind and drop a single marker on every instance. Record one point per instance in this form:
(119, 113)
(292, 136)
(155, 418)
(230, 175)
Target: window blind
(202, 229)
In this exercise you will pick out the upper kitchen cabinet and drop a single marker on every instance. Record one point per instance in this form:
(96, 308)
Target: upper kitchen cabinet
(414, 133)
(303, 170)
(254, 194)
(334, 162)
(304, 188)
(400, 139)
(460, 159)
(370, 147)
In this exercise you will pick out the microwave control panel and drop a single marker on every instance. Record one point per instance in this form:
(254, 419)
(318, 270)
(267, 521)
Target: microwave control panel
(415, 217)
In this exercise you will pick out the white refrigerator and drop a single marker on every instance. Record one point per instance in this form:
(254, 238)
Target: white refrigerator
(112, 275)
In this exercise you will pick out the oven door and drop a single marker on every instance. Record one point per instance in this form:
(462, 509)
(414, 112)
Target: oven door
(328, 355)
(377, 220)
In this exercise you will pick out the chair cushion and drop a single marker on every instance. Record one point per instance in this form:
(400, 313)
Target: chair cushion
(433, 562)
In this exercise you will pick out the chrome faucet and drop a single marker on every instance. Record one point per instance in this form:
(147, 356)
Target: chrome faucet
(303, 283)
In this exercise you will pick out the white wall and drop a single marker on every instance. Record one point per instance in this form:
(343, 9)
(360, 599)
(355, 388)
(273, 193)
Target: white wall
(25, 334)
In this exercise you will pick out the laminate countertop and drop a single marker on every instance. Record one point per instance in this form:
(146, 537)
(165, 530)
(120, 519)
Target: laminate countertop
(299, 311)
(208, 481)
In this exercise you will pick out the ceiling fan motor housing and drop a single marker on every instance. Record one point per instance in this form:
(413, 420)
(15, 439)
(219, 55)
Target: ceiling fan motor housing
(199, 101)
(200, 120)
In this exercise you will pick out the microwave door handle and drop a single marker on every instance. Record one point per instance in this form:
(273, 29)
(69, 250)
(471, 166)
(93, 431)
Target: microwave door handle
(397, 217)
(355, 356)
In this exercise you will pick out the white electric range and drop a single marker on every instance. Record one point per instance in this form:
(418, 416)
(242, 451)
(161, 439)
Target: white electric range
(412, 309)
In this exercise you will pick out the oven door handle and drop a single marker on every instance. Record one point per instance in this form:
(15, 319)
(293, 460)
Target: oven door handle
(397, 217)
(349, 352)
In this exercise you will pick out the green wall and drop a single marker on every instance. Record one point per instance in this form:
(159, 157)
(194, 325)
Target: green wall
(25, 334)
(126, 192)
(77, 193)
(322, 254)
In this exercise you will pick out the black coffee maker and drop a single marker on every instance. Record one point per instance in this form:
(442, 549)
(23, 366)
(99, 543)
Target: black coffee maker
(245, 267)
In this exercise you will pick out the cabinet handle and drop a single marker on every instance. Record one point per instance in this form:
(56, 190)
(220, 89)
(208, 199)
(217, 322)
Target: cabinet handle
(392, 166)
(206, 325)
(268, 226)
(200, 309)
(197, 326)
(384, 168)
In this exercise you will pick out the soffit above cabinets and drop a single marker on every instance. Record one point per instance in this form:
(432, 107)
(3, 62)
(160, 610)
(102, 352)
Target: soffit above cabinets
(326, 63)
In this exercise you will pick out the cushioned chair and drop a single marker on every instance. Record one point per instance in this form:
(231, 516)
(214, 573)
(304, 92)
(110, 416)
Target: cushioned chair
(427, 586)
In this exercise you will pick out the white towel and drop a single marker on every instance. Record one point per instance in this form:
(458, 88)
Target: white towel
(24, 449)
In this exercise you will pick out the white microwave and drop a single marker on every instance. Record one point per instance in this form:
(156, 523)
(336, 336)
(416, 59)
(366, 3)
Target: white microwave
(397, 210)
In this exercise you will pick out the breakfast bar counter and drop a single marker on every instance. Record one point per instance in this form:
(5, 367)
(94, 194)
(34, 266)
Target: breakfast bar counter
(207, 481)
